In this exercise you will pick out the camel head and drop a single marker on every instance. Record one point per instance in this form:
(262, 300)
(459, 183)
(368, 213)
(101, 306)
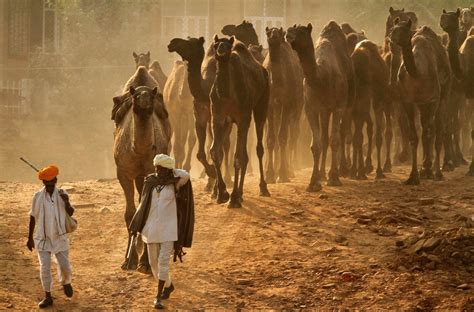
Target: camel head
(299, 37)
(190, 50)
(257, 52)
(401, 33)
(467, 15)
(449, 21)
(223, 47)
(243, 32)
(142, 59)
(142, 101)
(275, 36)
(402, 16)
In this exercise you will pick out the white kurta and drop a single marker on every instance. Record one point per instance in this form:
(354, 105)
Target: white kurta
(162, 222)
(49, 213)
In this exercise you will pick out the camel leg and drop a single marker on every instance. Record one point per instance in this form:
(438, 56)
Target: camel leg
(128, 189)
(313, 119)
(201, 127)
(293, 146)
(226, 144)
(467, 125)
(250, 144)
(427, 118)
(457, 132)
(471, 167)
(470, 104)
(414, 178)
(344, 133)
(219, 126)
(179, 145)
(143, 265)
(260, 116)
(370, 135)
(283, 142)
(270, 144)
(324, 141)
(379, 128)
(387, 167)
(439, 139)
(405, 131)
(240, 165)
(191, 143)
(335, 144)
(358, 170)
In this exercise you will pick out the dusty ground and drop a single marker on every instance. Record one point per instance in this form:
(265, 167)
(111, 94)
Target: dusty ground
(349, 247)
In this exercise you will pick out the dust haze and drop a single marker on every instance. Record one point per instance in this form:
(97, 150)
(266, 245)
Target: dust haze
(71, 96)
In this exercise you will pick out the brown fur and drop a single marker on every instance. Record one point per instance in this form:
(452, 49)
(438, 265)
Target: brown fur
(157, 73)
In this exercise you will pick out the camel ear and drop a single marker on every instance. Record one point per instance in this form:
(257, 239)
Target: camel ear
(260, 48)
(148, 54)
(216, 37)
(409, 23)
(131, 90)
(363, 32)
(472, 9)
(281, 29)
(444, 11)
(396, 21)
(135, 55)
(403, 9)
(232, 39)
(310, 27)
(201, 40)
(154, 91)
(267, 29)
(391, 10)
(458, 12)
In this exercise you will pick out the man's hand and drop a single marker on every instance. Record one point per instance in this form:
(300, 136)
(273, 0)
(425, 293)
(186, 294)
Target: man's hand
(178, 253)
(65, 197)
(30, 244)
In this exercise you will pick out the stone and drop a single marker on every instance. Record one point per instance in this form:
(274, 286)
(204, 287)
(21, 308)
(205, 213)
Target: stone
(104, 210)
(243, 281)
(426, 201)
(363, 221)
(84, 205)
(431, 243)
(340, 239)
(463, 287)
(323, 196)
(327, 286)
(348, 277)
(296, 212)
(399, 243)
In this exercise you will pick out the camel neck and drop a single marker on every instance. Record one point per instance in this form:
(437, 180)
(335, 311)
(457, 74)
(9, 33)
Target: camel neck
(222, 82)
(409, 60)
(143, 134)
(453, 53)
(195, 81)
(308, 63)
(395, 62)
(274, 51)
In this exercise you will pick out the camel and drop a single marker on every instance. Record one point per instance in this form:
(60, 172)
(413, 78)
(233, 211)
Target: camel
(179, 101)
(157, 73)
(241, 88)
(424, 80)
(371, 74)
(392, 55)
(243, 32)
(142, 59)
(462, 61)
(329, 86)
(201, 70)
(286, 97)
(139, 136)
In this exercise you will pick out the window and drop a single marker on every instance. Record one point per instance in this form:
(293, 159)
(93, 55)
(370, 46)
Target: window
(183, 18)
(18, 28)
(265, 13)
(50, 27)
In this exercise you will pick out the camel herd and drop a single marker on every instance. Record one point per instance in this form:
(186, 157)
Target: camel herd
(341, 80)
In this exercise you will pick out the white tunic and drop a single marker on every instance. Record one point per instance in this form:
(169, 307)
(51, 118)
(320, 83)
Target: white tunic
(162, 222)
(49, 212)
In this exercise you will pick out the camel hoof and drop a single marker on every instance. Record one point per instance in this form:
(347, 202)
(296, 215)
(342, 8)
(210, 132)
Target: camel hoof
(264, 191)
(414, 179)
(387, 168)
(343, 171)
(362, 176)
(470, 173)
(379, 174)
(283, 179)
(270, 178)
(323, 177)
(236, 204)
(462, 161)
(314, 187)
(131, 267)
(448, 166)
(403, 157)
(334, 181)
(369, 168)
(144, 268)
(228, 180)
(426, 174)
(438, 176)
(223, 197)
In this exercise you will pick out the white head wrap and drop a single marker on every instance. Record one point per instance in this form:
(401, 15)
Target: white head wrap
(164, 161)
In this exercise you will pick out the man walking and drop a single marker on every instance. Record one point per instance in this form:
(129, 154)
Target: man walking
(163, 224)
(48, 212)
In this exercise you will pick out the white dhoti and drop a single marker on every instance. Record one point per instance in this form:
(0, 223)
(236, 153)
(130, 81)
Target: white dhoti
(159, 256)
(64, 268)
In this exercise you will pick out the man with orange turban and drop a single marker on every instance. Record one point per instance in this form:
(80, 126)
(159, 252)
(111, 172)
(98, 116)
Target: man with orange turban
(48, 211)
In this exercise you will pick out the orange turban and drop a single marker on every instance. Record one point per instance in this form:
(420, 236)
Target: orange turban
(48, 173)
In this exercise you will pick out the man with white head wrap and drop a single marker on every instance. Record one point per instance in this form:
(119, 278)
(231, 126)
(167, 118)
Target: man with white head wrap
(157, 221)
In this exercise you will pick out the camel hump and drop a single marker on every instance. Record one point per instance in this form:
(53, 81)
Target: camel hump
(369, 45)
(141, 71)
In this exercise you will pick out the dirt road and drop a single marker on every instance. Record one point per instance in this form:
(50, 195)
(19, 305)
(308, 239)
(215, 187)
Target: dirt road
(366, 245)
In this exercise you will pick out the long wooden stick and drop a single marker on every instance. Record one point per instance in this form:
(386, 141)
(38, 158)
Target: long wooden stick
(26, 162)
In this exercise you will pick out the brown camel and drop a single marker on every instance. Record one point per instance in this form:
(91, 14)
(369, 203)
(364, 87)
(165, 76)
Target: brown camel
(392, 55)
(371, 74)
(329, 85)
(243, 32)
(139, 136)
(142, 59)
(462, 61)
(157, 73)
(201, 74)
(179, 101)
(286, 97)
(241, 88)
(424, 80)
